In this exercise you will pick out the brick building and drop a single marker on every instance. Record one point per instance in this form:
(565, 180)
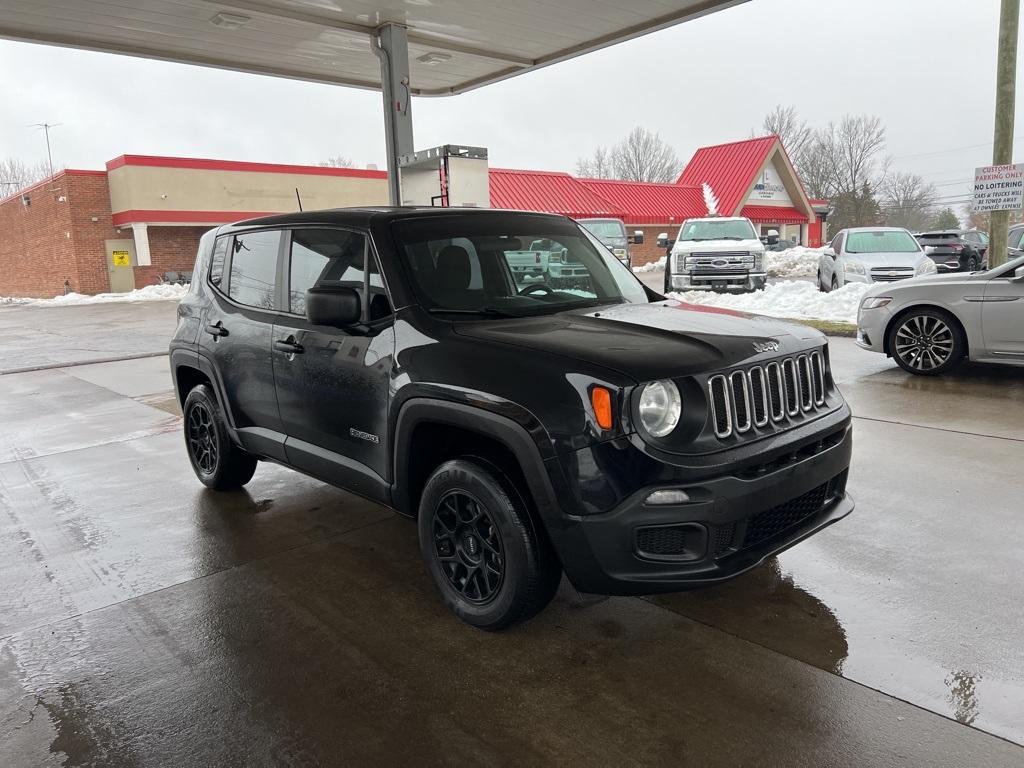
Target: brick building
(142, 217)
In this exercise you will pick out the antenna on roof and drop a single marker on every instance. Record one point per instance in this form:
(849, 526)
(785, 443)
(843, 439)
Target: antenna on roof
(298, 199)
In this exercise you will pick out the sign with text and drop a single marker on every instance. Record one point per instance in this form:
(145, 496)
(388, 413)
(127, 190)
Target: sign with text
(999, 187)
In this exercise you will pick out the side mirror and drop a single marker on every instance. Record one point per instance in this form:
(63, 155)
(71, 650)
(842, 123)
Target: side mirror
(334, 306)
(1018, 273)
(637, 238)
(829, 252)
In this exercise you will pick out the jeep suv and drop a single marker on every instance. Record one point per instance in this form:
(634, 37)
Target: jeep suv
(638, 444)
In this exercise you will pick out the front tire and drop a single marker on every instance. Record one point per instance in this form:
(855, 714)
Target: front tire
(216, 460)
(927, 342)
(490, 562)
(835, 283)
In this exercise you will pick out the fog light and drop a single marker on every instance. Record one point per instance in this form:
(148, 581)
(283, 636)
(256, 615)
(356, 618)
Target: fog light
(662, 498)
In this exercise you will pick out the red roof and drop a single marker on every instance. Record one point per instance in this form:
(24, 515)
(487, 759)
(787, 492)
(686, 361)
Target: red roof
(773, 214)
(648, 203)
(729, 169)
(547, 191)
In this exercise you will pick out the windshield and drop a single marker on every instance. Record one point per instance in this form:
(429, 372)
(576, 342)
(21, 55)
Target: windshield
(885, 241)
(509, 264)
(725, 229)
(605, 229)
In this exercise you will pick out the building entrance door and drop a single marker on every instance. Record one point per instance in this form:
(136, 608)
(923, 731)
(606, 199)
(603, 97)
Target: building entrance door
(120, 263)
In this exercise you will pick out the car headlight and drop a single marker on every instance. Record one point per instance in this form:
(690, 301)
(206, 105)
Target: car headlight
(759, 261)
(926, 267)
(854, 268)
(660, 407)
(874, 302)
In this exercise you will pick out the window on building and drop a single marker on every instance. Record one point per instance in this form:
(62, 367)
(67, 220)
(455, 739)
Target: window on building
(321, 257)
(254, 268)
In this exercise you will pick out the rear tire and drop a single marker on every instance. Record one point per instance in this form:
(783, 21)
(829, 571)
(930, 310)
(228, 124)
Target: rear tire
(926, 342)
(492, 565)
(972, 264)
(216, 460)
(835, 283)
(821, 285)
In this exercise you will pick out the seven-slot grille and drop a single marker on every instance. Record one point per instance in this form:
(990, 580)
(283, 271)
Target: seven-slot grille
(755, 396)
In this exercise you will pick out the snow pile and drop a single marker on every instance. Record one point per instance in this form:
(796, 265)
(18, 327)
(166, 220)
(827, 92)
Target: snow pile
(654, 266)
(788, 299)
(149, 293)
(793, 262)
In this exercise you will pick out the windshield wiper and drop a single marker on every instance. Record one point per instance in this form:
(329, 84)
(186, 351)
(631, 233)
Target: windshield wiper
(482, 312)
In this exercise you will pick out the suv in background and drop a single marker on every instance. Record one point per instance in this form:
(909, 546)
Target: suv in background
(955, 250)
(717, 253)
(612, 233)
(639, 444)
(871, 255)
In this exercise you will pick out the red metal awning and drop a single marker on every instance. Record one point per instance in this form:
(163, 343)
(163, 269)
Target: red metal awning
(773, 214)
(549, 192)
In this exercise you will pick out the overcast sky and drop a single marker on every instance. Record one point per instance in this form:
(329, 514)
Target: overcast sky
(926, 67)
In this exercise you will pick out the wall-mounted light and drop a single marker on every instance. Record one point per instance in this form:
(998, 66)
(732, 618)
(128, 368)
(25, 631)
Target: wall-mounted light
(26, 200)
(434, 57)
(227, 20)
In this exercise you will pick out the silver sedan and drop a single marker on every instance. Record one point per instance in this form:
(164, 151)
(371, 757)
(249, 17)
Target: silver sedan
(930, 324)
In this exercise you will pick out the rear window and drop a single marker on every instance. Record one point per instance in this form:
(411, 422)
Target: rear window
(253, 273)
(933, 237)
(605, 228)
(888, 241)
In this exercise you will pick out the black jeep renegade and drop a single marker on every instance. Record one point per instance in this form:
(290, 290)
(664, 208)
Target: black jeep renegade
(639, 444)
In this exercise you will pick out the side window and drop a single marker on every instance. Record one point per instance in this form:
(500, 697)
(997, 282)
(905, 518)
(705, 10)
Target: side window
(254, 268)
(1014, 239)
(837, 244)
(324, 257)
(220, 250)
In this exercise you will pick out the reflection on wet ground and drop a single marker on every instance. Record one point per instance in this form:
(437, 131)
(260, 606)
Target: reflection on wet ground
(145, 620)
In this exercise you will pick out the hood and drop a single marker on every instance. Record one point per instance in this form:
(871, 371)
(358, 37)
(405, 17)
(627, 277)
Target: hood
(716, 246)
(883, 289)
(650, 341)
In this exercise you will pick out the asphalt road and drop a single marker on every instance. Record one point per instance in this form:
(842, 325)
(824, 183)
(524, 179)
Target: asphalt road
(147, 621)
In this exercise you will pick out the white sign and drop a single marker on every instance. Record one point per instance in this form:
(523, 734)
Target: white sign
(770, 187)
(999, 188)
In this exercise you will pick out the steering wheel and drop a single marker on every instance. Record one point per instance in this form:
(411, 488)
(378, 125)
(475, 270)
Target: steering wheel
(544, 288)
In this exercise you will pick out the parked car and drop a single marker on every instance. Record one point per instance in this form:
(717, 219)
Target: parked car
(871, 255)
(955, 250)
(1015, 241)
(531, 264)
(639, 444)
(929, 325)
(715, 253)
(612, 233)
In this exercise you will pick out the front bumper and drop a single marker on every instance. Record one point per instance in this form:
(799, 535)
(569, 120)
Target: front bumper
(731, 524)
(730, 281)
(871, 326)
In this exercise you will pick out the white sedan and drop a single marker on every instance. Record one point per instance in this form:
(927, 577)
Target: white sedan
(930, 324)
(872, 255)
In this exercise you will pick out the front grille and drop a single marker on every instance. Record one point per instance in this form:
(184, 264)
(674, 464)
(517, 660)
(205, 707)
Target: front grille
(768, 524)
(891, 274)
(762, 394)
(722, 538)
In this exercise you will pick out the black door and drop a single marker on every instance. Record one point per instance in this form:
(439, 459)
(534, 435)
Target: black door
(333, 383)
(236, 335)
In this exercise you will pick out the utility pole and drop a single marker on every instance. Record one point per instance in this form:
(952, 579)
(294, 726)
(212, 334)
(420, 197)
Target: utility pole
(49, 155)
(1002, 147)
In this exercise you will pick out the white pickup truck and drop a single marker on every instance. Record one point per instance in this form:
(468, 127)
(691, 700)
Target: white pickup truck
(715, 253)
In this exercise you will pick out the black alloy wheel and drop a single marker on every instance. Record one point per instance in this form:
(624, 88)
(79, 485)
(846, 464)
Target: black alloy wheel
(468, 547)
(216, 460)
(926, 342)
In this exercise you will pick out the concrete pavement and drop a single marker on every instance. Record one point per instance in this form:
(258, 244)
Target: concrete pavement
(147, 621)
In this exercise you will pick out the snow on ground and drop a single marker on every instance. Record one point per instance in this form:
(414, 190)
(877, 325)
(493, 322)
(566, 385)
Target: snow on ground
(787, 299)
(654, 266)
(149, 293)
(793, 262)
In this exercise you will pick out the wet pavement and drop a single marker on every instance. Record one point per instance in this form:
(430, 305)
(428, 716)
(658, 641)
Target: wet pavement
(145, 620)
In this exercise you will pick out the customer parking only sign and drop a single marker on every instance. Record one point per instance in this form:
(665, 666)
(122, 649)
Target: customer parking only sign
(999, 188)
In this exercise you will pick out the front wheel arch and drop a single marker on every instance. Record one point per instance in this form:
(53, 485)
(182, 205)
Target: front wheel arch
(898, 317)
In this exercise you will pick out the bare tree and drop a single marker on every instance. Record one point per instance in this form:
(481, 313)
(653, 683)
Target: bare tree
(338, 161)
(644, 156)
(908, 201)
(597, 166)
(796, 135)
(16, 174)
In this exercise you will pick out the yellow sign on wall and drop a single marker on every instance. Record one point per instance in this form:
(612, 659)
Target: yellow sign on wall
(121, 259)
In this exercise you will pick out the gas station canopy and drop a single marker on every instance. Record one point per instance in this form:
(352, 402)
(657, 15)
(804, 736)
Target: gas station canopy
(453, 45)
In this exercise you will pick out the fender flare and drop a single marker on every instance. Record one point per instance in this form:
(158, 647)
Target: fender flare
(502, 429)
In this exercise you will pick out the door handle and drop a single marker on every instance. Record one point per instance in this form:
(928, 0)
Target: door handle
(216, 329)
(289, 345)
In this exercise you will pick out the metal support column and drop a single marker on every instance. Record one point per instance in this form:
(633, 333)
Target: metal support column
(391, 46)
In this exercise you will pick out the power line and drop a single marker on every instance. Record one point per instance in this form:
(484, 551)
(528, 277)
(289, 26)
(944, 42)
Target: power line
(950, 150)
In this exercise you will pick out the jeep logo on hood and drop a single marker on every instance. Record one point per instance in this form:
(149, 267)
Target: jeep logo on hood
(766, 346)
